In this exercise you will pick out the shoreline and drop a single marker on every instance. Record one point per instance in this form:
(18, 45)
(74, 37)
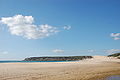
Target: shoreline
(89, 69)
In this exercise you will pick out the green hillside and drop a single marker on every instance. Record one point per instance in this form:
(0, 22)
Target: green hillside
(115, 55)
(60, 58)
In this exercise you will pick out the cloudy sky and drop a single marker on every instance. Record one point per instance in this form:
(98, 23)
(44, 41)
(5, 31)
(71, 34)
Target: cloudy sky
(58, 28)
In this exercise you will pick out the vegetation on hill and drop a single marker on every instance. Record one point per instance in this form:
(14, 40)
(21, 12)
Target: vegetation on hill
(63, 58)
(115, 55)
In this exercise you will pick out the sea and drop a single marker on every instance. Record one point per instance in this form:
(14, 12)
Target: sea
(114, 77)
(30, 61)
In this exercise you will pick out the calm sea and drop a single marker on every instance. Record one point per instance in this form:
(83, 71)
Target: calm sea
(30, 61)
(114, 77)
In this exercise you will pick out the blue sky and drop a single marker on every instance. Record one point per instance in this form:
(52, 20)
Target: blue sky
(94, 28)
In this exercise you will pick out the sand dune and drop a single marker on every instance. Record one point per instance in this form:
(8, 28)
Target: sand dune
(89, 69)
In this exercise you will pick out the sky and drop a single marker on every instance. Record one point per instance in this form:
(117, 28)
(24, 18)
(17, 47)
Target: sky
(58, 28)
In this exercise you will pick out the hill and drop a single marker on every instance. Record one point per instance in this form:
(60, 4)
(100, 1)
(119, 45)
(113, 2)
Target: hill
(63, 58)
(115, 55)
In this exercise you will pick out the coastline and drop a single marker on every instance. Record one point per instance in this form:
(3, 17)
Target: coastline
(89, 69)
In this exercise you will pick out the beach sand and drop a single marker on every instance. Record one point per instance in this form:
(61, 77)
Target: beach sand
(89, 69)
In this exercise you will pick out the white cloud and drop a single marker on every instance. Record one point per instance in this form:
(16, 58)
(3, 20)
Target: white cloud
(23, 26)
(67, 27)
(90, 51)
(3, 52)
(112, 51)
(116, 36)
(58, 51)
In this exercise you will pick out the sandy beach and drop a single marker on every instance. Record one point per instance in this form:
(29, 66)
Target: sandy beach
(89, 69)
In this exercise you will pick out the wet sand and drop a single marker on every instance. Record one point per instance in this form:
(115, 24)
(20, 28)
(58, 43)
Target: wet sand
(90, 69)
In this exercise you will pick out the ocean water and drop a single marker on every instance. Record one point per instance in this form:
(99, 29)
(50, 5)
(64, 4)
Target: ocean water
(114, 77)
(30, 61)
